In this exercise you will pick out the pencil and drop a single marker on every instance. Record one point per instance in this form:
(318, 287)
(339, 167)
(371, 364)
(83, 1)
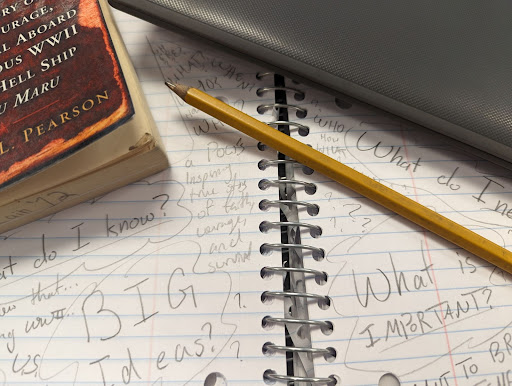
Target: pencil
(346, 176)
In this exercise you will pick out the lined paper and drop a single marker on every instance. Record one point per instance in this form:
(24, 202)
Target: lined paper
(159, 282)
(404, 301)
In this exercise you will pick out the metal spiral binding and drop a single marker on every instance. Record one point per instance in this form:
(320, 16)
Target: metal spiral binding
(265, 163)
(318, 253)
(326, 327)
(312, 209)
(314, 230)
(309, 188)
(299, 95)
(323, 301)
(301, 113)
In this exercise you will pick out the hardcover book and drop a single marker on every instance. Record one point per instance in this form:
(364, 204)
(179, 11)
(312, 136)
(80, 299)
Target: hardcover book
(69, 102)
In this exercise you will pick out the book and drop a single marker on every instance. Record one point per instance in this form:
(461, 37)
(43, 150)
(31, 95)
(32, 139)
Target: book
(74, 122)
(194, 275)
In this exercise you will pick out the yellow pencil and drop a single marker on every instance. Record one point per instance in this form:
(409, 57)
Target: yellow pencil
(375, 191)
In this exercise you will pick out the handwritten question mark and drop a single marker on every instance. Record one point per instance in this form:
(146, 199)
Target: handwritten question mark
(352, 211)
(238, 348)
(162, 207)
(366, 223)
(485, 289)
(209, 332)
(239, 104)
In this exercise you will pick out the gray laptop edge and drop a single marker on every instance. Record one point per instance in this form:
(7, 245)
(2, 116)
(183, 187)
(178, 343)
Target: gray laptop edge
(446, 65)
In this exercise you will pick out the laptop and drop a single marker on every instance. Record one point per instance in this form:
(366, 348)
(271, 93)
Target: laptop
(446, 65)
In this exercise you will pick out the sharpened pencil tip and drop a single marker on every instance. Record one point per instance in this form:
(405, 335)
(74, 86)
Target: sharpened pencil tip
(172, 86)
(179, 89)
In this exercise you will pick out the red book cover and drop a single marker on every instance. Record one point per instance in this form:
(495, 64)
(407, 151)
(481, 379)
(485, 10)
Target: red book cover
(61, 85)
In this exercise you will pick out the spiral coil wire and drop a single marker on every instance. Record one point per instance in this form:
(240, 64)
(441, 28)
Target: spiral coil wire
(326, 327)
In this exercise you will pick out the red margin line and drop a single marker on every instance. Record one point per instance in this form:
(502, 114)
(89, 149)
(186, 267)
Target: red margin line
(427, 249)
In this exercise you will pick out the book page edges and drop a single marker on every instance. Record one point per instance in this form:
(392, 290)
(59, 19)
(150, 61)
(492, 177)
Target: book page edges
(146, 159)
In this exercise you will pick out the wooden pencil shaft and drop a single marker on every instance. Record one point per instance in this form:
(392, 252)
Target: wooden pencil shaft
(375, 191)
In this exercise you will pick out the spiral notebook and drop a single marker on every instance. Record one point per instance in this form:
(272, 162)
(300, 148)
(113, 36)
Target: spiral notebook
(238, 266)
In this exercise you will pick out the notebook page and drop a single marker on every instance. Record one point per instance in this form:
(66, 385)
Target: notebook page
(158, 282)
(429, 279)
(405, 301)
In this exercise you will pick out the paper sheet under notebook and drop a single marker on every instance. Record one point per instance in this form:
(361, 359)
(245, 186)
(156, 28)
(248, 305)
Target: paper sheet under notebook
(159, 282)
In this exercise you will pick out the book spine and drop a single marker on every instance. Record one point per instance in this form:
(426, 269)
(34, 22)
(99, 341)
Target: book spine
(298, 348)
